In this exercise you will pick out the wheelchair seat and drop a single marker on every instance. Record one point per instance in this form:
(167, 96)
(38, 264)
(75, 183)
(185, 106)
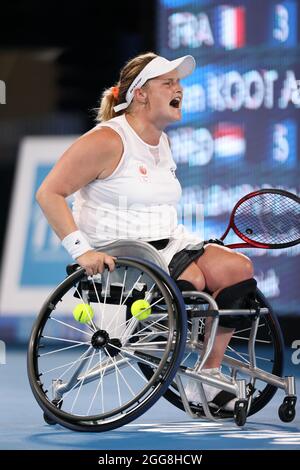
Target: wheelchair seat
(137, 249)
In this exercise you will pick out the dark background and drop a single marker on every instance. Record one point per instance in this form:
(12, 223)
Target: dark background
(55, 59)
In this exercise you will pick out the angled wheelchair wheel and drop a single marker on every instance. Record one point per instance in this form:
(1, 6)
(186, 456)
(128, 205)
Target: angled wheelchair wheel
(269, 357)
(83, 368)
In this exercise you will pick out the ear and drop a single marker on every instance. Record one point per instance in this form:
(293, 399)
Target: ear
(141, 95)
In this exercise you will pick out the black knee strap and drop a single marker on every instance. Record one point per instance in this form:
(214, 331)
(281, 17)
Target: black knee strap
(237, 296)
(184, 285)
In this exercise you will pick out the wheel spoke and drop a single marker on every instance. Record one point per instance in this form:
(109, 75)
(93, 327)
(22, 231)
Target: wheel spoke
(62, 349)
(115, 316)
(65, 339)
(105, 296)
(136, 358)
(185, 359)
(248, 329)
(99, 384)
(97, 295)
(117, 380)
(257, 357)
(81, 358)
(76, 384)
(82, 381)
(148, 344)
(122, 376)
(147, 326)
(238, 354)
(136, 370)
(146, 334)
(65, 365)
(123, 303)
(70, 326)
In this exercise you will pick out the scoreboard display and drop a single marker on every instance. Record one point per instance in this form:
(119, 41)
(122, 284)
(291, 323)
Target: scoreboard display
(240, 126)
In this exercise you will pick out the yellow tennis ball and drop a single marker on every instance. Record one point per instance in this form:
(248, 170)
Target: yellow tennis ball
(141, 309)
(83, 313)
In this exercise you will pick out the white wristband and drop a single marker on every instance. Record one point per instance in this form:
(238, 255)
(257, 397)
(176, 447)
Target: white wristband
(76, 244)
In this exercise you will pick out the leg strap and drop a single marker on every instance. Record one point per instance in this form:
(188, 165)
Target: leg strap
(184, 285)
(237, 296)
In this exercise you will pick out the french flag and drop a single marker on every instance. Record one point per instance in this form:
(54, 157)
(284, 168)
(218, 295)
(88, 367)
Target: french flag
(229, 141)
(231, 27)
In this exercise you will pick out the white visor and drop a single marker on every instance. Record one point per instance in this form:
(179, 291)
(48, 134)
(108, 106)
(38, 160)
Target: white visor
(159, 66)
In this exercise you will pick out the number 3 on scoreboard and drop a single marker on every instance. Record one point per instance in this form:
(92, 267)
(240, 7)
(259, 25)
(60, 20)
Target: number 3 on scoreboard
(281, 29)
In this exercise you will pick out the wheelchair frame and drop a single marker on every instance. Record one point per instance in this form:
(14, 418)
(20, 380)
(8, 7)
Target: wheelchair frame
(170, 369)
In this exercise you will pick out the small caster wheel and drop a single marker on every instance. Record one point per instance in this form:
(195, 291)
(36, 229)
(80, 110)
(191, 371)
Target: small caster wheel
(240, 412)
(287, 410)
(48, 418)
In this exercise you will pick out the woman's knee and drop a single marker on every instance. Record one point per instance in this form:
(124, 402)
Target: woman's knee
(194, 275)
(243, 266)
(199, 282)
(231, 261)
(222, 267)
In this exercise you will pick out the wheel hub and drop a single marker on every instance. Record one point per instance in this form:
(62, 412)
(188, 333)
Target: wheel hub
(100, 339)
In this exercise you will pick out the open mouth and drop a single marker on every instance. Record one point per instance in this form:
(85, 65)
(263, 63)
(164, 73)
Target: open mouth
(175, 102)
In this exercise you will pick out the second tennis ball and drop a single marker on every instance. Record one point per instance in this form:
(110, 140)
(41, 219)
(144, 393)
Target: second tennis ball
(141, 309)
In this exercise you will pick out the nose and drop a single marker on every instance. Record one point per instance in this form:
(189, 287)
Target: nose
(177, 88)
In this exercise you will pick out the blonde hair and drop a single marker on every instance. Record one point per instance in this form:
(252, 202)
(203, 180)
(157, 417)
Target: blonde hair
(128, 73)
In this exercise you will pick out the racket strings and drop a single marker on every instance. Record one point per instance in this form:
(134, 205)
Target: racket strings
(269, 218)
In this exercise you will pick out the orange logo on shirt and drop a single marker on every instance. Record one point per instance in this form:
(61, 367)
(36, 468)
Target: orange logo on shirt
(143, 170)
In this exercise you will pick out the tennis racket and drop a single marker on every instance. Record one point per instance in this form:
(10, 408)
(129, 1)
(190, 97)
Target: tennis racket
(267, 218)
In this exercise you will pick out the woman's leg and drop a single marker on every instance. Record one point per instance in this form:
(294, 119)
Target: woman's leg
(222, 268)
(218, 268)
(194, 275)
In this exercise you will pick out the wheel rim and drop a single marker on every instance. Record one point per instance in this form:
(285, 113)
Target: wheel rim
(129, 400)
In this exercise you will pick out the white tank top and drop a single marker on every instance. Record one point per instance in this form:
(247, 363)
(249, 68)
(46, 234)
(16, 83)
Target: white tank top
(138, 200)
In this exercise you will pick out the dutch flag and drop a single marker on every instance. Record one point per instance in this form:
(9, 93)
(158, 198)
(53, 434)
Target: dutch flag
(231, 27)
(229, 141)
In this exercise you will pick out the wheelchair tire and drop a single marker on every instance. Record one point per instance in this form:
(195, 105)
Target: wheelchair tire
(264, 395)
(165, 362)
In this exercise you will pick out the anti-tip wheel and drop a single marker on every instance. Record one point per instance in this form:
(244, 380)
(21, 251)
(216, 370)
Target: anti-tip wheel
(287, 410)
(240, 412)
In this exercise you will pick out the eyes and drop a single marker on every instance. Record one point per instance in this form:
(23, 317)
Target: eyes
(171, 82)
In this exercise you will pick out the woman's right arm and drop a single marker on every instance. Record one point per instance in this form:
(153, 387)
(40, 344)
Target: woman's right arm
(93, 155)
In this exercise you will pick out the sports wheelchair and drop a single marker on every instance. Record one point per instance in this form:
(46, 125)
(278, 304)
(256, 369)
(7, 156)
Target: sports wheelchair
(105, 372)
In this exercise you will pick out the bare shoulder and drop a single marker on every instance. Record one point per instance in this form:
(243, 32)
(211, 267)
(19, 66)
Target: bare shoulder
(93, 155)
(109, 148)
(100, 149)
(103, 140)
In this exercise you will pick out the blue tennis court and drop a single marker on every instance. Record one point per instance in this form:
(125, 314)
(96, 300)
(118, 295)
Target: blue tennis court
(162, 427)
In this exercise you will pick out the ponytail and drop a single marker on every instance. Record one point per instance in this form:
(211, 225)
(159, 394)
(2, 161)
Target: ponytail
(109, 99)
(117, 94)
